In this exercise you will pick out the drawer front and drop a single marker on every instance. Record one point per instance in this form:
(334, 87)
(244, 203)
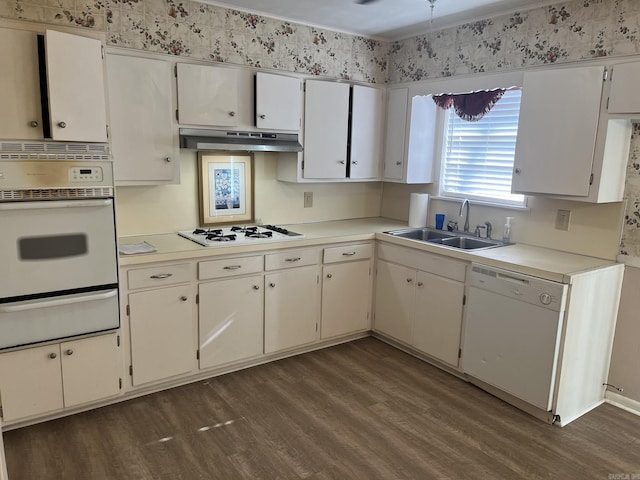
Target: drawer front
(427, 262)
(347, 253)
(230, 267)
(291, 258)
(158, 276)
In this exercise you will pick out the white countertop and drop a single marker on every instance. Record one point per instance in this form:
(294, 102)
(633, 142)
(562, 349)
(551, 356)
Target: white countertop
(530, 260)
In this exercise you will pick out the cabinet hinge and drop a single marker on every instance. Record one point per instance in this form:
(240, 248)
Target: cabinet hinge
(106, 127)
(120, 383)
(464, 299)
(128, 311)
(177, 116)
(608, 98)
(1, 412)
(131, 370)
(316, 327)
(459, 353)
(591, 179)
(198, 354)
(302, 167)
(197, 299)
(102, 51)
(118, 340)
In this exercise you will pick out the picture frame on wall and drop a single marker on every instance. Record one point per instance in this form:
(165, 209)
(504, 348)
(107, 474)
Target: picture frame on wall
(226, 188)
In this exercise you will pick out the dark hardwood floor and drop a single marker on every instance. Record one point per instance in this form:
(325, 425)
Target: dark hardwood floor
(361, 410)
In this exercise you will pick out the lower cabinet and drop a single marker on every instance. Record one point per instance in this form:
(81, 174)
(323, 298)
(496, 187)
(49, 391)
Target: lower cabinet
(230, 314)
(38, 380)
(162, 330)
(419, 301)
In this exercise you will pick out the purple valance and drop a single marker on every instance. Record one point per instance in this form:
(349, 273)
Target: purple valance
(470, 106)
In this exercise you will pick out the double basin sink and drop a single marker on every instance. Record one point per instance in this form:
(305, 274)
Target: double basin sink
(457, 240)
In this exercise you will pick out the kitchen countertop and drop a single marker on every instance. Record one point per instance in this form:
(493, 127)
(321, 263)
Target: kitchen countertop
(526, 259)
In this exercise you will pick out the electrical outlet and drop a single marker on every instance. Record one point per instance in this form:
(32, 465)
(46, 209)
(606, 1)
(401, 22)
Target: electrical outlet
(308, 199)
(563, 218)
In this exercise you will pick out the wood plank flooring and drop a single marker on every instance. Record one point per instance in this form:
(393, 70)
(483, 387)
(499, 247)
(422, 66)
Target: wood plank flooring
(361, 410)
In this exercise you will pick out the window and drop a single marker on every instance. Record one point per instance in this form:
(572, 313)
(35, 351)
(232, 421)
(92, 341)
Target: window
(477, 157)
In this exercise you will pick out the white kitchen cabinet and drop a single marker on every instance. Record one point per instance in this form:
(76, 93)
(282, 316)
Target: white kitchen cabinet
(278, 102)
(44, 379)
(346, 290)
(230, 315)
(367, 130)
(292, 299)
(410, 138)
(76, 102)
(144, 134)
(566, 146)
(326, 127)
(162, 331)
(623, 96)
(207, 95)
(419, 300)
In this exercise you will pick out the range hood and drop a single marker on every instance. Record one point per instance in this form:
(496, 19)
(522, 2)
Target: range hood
(206, 139)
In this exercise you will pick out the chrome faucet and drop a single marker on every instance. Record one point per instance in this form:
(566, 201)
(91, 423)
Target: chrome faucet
(466, 220)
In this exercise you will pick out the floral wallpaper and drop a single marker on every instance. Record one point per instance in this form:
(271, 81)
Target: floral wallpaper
(567, 31)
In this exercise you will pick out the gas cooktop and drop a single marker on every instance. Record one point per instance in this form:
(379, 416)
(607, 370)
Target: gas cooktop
(240, 235)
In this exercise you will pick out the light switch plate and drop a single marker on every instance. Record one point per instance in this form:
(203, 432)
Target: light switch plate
(563, 217)
(308, 199)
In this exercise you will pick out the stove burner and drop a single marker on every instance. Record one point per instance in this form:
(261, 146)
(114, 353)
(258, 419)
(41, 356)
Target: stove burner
(209, 231)
(221, 238)
(244, 230)
(281, 230)
(258, 234)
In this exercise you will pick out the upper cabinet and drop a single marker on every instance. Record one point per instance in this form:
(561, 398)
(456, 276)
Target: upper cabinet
(565, 146)
(367, 127)
(326, 127)
(278, 102)
(144, 135)
(207, 95)
(410, 146)
(72, 106)
(623, 97)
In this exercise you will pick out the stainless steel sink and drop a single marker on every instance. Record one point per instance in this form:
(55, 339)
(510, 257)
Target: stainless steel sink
(458, 240)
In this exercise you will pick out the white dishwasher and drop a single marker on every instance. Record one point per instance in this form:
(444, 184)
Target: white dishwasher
(512, 332)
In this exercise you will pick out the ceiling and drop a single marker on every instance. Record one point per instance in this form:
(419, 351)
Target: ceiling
(385, 19)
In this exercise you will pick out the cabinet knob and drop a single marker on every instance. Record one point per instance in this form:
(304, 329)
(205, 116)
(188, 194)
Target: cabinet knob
(272, 284)
(232, 114)
(68, 352)
(263, 116)
(53, 355)
(398, 163)
(409, 280)
(517, 171)
(341, 162)
(329, 275)
(34, 124)
(184, 298)
(420, 284)
(256, 287)
(167, 159)
(62, 124)
(355, 162)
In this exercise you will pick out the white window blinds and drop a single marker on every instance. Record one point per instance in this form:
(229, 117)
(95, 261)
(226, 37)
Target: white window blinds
(478, 156)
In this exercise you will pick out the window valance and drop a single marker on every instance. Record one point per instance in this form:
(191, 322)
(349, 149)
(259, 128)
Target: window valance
(470, 106)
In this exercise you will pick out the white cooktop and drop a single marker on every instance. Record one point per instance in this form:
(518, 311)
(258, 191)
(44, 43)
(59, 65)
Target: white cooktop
(239, 235)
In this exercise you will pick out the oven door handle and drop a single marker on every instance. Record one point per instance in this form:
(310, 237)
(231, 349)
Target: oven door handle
(68, 300)
(55, 204)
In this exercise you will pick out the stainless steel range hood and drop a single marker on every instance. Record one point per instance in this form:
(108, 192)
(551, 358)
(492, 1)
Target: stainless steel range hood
(204, 139)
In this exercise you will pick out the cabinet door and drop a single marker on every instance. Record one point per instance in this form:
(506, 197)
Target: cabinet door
(231, 320)
(326, 117)
(557, 131)
(162, 333)
(75, 77)
(30, 382)
(367, 112)
(623, 97)
(144, 138)
(21, 116)
(91, 369)
(278, 102)
(395, 136)
(438, 317)
(395, 298)
(207, 95)
(292, 306)
(346, 298)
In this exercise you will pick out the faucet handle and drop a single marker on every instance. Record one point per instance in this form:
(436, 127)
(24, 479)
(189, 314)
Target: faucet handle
(478, 229)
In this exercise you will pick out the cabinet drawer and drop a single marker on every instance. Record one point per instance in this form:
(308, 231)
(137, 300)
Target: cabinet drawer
(229, 267)
(427, 262)
(348, 252)
(291, 258)
(157, 276)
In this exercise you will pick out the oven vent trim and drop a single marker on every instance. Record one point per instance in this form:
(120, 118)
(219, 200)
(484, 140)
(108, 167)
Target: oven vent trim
(56, 194)
(52, 148)
(53, 156)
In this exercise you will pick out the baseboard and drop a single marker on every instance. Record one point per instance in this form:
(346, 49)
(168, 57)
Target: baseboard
(622, 402)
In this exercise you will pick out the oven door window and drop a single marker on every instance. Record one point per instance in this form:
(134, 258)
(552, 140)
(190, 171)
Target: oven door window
(53, 246)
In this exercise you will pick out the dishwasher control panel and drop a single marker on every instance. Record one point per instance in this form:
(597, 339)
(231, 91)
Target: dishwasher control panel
(534, 290)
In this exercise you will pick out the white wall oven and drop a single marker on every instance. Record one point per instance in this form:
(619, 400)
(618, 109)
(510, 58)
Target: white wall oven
(58, 252)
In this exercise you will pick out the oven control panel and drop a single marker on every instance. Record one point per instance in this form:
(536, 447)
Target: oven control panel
(85, 174)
